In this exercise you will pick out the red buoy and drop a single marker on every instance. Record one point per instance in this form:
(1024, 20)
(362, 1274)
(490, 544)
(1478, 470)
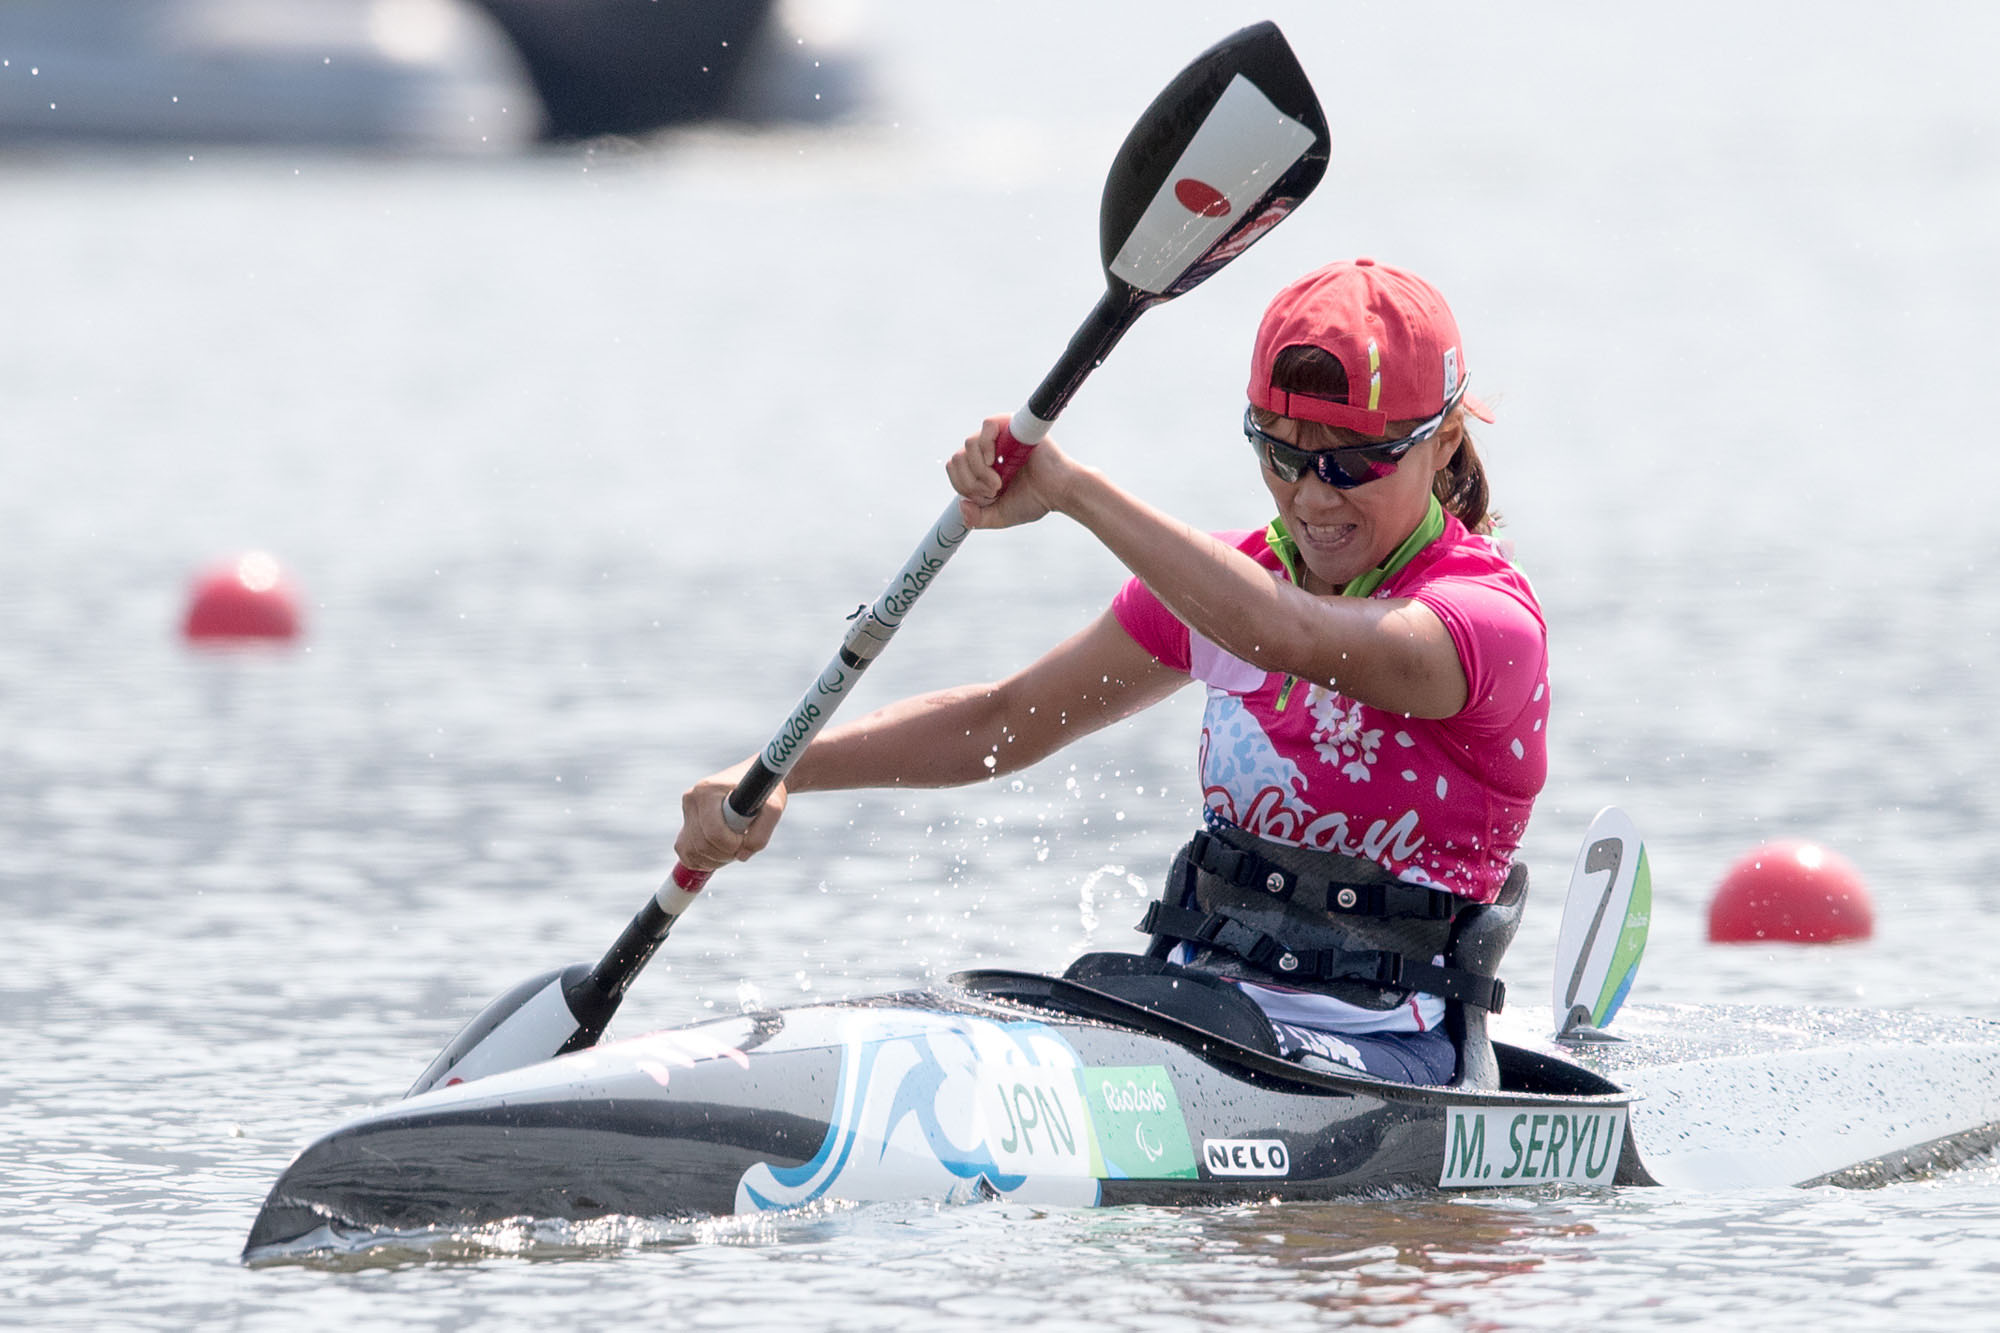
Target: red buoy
(1791, 892)
(248, 598)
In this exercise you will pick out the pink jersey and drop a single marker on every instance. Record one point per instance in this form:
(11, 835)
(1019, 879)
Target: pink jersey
(1441, 803)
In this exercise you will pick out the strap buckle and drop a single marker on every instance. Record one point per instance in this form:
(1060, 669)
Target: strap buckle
(1230, 864)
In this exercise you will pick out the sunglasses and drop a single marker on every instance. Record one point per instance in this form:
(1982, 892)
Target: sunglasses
(1346, 467)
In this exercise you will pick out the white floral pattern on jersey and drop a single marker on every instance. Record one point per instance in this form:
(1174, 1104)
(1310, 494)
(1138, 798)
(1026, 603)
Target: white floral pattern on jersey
(1339, 736)
(1245, 779)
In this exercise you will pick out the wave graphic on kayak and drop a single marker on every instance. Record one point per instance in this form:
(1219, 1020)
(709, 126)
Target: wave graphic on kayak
(952, 1106)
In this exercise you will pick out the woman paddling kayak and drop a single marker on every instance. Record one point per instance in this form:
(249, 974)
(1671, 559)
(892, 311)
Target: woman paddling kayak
(1376, 672)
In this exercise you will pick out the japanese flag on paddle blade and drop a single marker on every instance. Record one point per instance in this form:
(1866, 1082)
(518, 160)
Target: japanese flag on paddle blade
(1243, 148)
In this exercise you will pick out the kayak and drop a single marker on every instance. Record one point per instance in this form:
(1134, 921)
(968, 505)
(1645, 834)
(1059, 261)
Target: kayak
(1001, 1086)
(1016, 1086)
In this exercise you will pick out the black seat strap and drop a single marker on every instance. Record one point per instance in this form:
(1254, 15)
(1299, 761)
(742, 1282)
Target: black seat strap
(1214, 930)
(1246, 869)
(1221, 931)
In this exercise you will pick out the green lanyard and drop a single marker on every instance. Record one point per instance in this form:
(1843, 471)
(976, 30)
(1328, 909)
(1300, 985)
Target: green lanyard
(1286, 548)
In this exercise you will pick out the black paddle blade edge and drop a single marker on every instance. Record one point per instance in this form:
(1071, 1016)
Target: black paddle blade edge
(1260, 54)
(1145, 160)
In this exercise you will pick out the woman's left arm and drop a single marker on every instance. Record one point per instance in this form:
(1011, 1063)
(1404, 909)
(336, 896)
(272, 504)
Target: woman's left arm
(1392, 653)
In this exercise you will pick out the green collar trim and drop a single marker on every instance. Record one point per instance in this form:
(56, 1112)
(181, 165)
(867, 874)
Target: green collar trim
(1287, 550)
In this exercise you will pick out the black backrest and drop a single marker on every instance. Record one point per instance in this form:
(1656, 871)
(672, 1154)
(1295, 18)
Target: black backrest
(1478, 939)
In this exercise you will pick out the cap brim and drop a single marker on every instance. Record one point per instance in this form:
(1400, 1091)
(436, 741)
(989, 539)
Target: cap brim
(1477, 408)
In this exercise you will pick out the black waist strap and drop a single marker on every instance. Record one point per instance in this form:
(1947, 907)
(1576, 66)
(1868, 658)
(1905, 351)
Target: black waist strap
(1219, 930)
(1246, 869)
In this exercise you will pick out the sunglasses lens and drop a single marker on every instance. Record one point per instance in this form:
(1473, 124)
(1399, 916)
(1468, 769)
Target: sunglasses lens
(1287, 470)
(1364, 466)
(1343, 468)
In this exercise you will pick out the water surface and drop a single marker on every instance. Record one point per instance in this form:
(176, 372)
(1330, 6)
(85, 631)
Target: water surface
(580, 460)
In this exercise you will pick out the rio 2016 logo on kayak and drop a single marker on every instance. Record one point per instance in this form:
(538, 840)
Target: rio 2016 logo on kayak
(1131, 1095)
(1139, 1132)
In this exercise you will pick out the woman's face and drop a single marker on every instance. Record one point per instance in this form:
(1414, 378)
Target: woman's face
(1343, 534)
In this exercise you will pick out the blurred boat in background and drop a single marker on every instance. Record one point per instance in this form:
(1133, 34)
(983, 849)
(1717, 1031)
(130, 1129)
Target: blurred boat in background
(629, 66)
(422, 75)
(409, 75)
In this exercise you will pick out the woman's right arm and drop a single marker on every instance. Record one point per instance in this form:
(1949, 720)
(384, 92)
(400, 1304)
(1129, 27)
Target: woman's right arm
(948, 737)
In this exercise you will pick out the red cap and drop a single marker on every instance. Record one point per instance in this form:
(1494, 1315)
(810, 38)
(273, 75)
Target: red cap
(1390, 330)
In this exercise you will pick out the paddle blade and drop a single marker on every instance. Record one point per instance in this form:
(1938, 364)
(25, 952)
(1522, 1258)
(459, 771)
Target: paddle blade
(1220, 157)
(1605, 918)
(535, 1021)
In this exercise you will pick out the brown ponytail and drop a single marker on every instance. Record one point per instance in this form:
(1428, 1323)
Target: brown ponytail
(1460, 485)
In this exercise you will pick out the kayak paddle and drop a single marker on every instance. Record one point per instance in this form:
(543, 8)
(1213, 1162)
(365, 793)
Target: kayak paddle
(1603, 927)
(1221, 156)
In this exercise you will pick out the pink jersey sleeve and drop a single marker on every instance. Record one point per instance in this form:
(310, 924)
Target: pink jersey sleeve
(1151, 625)
(1157, 629)
(1502, 645)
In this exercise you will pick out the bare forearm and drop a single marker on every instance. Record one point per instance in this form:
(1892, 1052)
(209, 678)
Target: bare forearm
(951, 737)
(947, 738)
(1218, 592)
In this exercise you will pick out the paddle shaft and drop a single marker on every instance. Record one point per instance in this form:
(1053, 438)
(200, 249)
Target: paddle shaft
(870, 633)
